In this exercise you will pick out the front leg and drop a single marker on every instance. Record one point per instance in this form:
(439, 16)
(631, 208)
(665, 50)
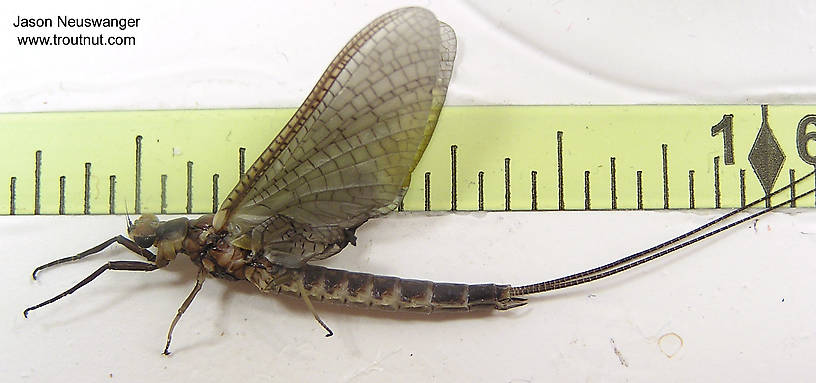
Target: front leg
(120, 239)
(111, 265)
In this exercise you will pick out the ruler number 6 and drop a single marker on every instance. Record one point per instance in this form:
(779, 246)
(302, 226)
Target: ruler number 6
(802, 138)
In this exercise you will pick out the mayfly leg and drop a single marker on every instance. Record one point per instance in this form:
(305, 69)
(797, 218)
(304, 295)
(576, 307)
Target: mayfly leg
(111, 265)
(120, 239)
(308, 302)
(200, 277)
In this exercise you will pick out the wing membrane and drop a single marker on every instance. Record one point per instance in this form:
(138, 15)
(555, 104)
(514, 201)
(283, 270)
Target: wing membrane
(348, 152)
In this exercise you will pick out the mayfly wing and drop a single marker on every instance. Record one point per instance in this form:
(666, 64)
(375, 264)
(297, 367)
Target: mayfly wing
(347, 153)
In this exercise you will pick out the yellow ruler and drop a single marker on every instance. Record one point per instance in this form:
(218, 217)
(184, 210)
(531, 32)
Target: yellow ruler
(480, 158)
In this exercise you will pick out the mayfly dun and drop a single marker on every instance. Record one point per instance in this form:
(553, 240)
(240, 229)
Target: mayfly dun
(346, 156)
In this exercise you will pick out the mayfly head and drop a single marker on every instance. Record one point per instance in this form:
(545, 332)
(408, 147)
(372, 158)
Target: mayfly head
(167, 236)
(143, 230)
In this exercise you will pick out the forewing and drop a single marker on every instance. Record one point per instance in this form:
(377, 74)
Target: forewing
(347, 153)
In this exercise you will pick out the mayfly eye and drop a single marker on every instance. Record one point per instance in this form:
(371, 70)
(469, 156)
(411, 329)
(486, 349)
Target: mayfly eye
(145, 241)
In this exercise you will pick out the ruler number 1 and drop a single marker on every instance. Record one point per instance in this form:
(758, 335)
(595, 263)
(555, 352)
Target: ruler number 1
(726, 125)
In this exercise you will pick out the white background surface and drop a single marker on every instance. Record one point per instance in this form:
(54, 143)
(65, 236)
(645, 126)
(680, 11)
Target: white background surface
(742, 304)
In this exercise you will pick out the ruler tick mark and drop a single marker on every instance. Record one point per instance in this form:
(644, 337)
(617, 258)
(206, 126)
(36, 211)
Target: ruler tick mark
(507, 184)
(189, 187)
(112, 195)
(453, 176)
(62, 195)
(814, 183)
(587, 204)
(12, 195)
(717, 182)
(533, 191)
(241, 161)
(87, 205)
(37, 175)
(138, 203)
(427, 191)
(164, 194)
(612, 184)
(481, 190)
(560, 160)
(792, 176)
(215, 193)
(665, 149)
(691, 188)
(639, 181)
(742, 187)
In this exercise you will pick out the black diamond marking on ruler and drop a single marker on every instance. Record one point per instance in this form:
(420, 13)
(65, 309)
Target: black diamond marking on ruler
(587, 204)
(766, 156)
(112, 195)
(241, 161)
(612, 184)
(691, 189)
(453, 177)
(560, 150)
(138, 203)
(215, 193)
(639, 180)
(533, 191)
(481, 190)
(37, 179)
(742, 187)
(12, 195)
(792, 176)
(87, 206)
(189, 187)
(163, 194)
(665, 149)
(507, 184)
(62, 195)
(717, 182)
(427, 191)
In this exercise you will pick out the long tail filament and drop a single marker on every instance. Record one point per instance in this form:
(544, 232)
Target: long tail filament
(661, 249)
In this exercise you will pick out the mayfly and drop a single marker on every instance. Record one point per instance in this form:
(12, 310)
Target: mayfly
(346, 156)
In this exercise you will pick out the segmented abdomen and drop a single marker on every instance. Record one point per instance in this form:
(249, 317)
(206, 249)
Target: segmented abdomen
(381, 292)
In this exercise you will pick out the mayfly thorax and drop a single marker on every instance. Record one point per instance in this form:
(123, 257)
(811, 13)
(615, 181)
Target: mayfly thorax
(346, 156)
